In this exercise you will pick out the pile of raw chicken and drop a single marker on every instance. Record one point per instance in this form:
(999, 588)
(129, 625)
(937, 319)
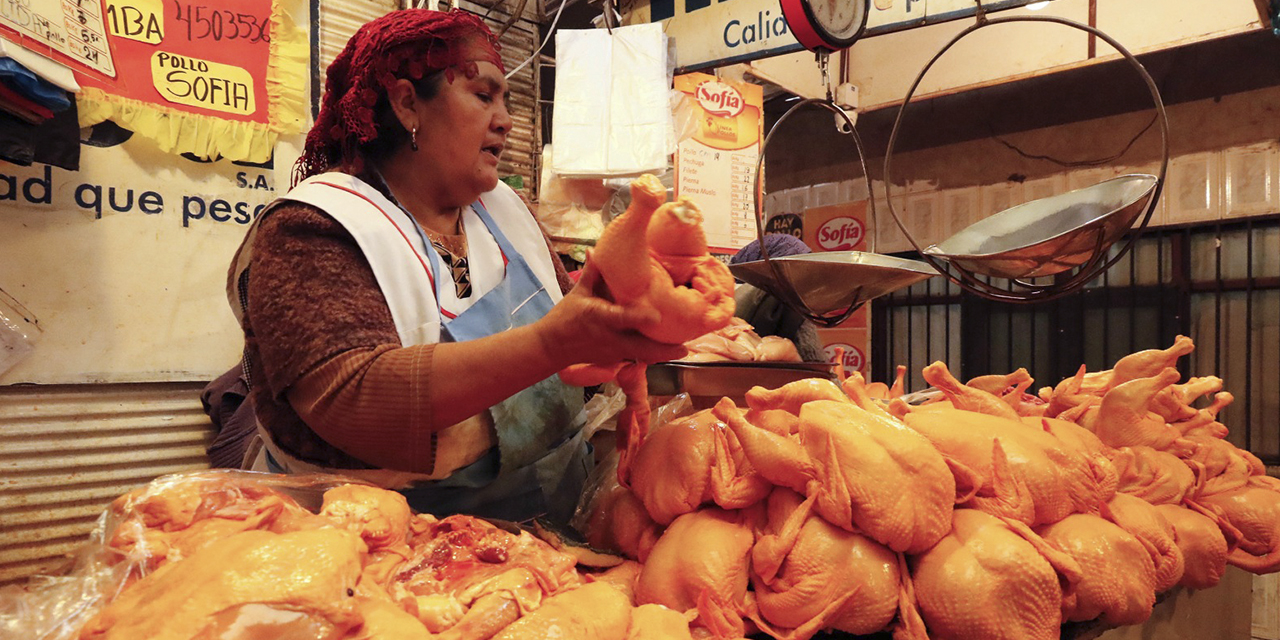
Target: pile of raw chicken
(990, 513)
(231, 556)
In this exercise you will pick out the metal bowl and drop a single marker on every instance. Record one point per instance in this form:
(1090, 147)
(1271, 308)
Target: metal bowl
(833, 281)
(729, 379)
(1050, 235)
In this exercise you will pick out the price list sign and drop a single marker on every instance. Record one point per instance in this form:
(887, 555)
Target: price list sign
(74, 28)
(716, 166)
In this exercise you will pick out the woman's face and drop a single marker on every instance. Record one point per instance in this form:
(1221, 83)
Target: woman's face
(462, 135)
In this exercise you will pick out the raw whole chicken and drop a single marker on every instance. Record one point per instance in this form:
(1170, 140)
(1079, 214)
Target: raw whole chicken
(809, 574)
(997, 385)
(616, 520)
(312, 573)
(701, 564)
(1202, 544)
(990, 580)
(867, 471)
(881, 391)
(965, 397)
(1204, 422)
(1224, 466)
(1143, 364)
(1174, 404)
(1118, 577)
(738, 342)
(1154, 476)
(1123, 418)
(1254, 510)
(1141, 519)
(693, 461)
(1026, 473)
(655, 256)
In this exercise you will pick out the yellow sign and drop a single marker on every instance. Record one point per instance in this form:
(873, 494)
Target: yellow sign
(717, 165)
(141, 20)
(201, 83)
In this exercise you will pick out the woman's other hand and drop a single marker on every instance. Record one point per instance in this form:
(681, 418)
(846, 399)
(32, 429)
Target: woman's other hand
(586, 327)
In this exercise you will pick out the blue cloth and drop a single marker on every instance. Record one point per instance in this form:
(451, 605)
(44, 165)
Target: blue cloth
(37, 89)
(778, 244)
(541, 461)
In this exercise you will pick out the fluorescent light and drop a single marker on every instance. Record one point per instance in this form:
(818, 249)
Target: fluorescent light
(1036, 6)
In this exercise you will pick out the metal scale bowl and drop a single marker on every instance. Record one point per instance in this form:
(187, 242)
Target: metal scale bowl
(1068, 235)
(826, 287)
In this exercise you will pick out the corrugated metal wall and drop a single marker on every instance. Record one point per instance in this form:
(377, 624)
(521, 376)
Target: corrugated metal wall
(524, 143)
(68, 451)
(339, 19)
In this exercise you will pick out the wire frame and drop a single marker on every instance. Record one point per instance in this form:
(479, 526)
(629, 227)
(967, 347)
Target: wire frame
(787, 291)
(1020, 291)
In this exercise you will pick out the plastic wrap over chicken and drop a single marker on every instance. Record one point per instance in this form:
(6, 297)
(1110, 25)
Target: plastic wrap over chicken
(233, 555)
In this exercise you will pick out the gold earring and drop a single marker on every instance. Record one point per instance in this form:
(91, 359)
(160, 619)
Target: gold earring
(413, 139)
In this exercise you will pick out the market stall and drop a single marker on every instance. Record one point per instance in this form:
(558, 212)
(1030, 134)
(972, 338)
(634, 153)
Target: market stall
(792, 476)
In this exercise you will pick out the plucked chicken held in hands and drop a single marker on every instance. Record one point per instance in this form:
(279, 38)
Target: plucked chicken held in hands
(655, 255)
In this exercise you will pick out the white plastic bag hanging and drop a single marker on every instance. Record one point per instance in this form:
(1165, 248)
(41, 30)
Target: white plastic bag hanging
(19, 331)
(612, 115)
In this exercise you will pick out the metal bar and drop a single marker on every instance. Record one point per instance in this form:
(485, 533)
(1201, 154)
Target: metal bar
(317, 84)
(928, 324)
(1160, 284)
(1008, 329)
(1236, 285)
(1248, 341)
(947, 336)
(1106, 319)
(1182, 275)
(910, 339)
(1217, 302)
(1133, 307)
(1093, 22)
(880, 329)
(1034, 313)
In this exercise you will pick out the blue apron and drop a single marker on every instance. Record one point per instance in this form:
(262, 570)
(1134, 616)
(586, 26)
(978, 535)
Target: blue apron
(541, 461)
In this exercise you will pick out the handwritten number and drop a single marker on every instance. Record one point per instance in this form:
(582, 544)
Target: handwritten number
(219, 24)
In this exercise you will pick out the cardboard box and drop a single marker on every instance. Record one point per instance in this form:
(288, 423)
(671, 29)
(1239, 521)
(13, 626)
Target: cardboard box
(856, 344)
(837, 227)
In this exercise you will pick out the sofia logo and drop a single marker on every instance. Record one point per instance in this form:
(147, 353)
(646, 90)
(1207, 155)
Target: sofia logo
(720, 99)
(853, 358)
(841, 234)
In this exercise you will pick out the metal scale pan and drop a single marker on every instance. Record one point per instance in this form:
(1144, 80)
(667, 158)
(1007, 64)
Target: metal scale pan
(1051, 235)
(826, 287)
(1068, 235)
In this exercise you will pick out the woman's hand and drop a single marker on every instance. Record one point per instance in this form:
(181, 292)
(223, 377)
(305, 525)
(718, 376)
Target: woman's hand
(586, 327)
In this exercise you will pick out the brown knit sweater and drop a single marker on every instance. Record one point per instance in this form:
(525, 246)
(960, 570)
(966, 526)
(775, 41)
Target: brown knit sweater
(329, 377)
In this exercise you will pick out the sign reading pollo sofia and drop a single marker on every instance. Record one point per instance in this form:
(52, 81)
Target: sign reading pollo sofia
(716, 166)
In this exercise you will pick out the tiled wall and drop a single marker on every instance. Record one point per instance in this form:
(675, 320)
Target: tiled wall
(1226, 184)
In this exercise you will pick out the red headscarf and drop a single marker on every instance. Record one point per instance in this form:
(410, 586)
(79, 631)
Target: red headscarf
(408, 43)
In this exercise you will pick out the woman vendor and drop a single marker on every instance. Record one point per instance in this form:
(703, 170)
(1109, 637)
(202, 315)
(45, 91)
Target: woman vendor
(403, 314)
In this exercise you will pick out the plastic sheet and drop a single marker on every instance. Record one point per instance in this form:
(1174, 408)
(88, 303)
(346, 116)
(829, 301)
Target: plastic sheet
(612, 115)
(604, 477)
(120, 550)
(19, 332)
